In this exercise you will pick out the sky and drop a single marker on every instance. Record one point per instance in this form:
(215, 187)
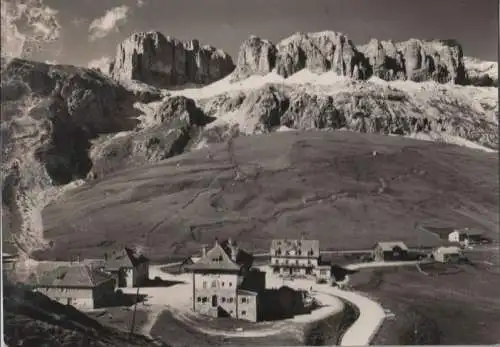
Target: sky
(89, 30)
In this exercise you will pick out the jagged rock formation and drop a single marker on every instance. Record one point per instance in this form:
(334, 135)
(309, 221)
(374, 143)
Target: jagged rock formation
(50, 114)
(161, 61)
(362, 107)
(318, 52)
(256, 57)
(177, 121)
(481, 73)
(414, 60)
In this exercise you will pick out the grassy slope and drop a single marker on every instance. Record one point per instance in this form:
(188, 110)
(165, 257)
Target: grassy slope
(325, 184)
(32, 319)
(449, 306)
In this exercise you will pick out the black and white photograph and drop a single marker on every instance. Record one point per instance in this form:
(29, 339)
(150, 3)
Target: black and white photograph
(180, 173)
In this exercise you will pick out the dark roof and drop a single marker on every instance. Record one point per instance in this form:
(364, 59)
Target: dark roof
(71, 276)
(246, 292)
(123, 259)
(390, 245)
(298, 247)
(220, 258)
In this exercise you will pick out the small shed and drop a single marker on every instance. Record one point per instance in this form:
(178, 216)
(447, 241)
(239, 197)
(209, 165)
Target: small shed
(393, 250)
(447, 254)
(323, 274)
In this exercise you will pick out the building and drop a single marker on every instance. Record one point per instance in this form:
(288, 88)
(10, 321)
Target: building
(121, 266)
(387, 251)
(77, 285)
(224, 283)
(323, 274)
(294, 257)
(8, 262)
(447, 254)
(465, 237)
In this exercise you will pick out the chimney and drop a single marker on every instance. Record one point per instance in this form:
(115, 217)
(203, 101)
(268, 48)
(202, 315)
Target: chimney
(234, 249)
(203, 250)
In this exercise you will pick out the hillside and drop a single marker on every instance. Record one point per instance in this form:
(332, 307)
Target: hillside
(64, 126)
(32, 319)
(346, 189)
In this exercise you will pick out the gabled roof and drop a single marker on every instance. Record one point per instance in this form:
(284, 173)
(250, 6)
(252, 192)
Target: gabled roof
(71, 276)
(390, 245)
(219, 258)
(124, 259)
(300, 247)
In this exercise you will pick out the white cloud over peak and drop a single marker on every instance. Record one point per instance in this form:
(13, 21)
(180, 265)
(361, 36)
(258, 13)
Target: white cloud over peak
(103, 26)
(26, 26)
(101, 64)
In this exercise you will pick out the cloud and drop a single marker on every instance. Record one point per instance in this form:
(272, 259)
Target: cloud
(140, 3)
(103, 26)
(26, 26)
(51, 62)
(101, 64)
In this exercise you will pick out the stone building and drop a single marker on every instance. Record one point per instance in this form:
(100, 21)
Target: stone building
(294, 257)
(394, 250)
(77, 285)
(121, 266)
(224, 283)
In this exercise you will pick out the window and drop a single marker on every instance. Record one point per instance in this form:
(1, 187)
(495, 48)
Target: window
(300, 251)
(297, 262)
(243, 313)
(214, 284)
(287, 261)
(230, 300)
(287, 252)
(205, 299)
(276, 261)
(230, 284)
(243, 300)
(204, 284)
(223, 299)
(222, 283)
(199, 299)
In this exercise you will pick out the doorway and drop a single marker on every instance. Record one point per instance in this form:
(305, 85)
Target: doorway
(214, 301)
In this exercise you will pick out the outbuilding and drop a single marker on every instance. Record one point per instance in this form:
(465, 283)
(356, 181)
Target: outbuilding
(77, 285)
(447, 254)
(390, 251)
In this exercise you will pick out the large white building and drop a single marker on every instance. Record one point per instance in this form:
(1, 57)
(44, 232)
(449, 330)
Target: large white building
(294, 257)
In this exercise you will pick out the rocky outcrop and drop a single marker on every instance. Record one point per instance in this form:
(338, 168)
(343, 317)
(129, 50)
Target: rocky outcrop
(318, 52)
(177, 121)
(50, 115)
(256, 57)
(481, 73)
(368, 108)
(415, 60)
(161, 61)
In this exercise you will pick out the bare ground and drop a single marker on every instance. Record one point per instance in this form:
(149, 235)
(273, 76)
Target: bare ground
(324, 185)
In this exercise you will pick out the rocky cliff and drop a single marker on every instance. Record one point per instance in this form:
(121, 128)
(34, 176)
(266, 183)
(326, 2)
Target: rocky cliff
(481, 73)
(414, 60)
(50, 115)
(161, 61)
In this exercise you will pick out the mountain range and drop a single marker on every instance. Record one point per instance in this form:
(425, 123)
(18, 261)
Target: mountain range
(159, 97)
